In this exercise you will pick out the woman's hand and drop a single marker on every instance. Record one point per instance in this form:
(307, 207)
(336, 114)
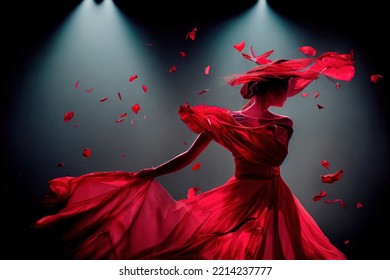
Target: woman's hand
(146, 172)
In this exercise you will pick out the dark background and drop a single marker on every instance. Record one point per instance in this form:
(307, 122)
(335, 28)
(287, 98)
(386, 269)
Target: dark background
(27, 26)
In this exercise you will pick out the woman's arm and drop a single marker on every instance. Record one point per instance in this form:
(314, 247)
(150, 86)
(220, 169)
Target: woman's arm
(180, 161)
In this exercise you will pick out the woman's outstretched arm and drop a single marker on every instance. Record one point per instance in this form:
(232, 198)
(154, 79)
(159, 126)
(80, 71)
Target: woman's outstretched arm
(180, 161)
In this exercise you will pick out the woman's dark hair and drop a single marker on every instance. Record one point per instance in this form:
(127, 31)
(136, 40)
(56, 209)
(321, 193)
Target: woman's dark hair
(274, 85)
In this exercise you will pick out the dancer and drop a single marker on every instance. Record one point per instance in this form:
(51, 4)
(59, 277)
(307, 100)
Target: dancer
(254, 215)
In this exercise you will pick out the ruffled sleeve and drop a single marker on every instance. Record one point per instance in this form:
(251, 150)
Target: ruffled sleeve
(198, 118)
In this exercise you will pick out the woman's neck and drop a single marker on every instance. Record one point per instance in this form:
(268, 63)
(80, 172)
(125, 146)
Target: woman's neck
(257, 109)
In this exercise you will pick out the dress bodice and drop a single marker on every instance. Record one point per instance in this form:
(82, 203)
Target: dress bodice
(261, 143)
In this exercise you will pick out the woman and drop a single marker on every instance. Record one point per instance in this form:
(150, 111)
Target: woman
(254, 215)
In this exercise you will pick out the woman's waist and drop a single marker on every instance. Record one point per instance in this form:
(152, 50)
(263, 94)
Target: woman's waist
(251, 170)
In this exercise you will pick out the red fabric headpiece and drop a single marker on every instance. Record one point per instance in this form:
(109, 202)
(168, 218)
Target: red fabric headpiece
(302, 71)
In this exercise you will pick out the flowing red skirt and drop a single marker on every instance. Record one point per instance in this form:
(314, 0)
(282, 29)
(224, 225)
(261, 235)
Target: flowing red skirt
(114, 215)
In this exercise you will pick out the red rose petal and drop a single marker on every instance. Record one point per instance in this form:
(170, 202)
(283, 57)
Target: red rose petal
(119, 96)
(263, 58)
(173, 68)
(375, 78)
(192, 34)
(260, 59)
(333, 177)
(183, 54)
(207, 70)
(89, 90)
(145, 88)
(87, 152)
(320, 195)
(329, 201)
(203, 91)
(136, 108)
(68, 116)
(76, 85)
(132, 78)
(239, 46)
(247, 56)
(320, 107)
(196, 166)
(359, 205)
(104, 99)
(325, 163)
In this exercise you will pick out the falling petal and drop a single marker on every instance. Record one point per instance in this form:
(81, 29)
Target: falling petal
(316, 94)
(76, 85)
(333, 177)
(192, 34)
(68, 116)
(338, 85)
(60, 164)
(247, 56)
(145, 88)
(87, 152)
(173, 68)
(304, 94)
(196, 166)
(185, 143)
(207, 70)
(239, 46)
(307, 50)
(182, 53)
(122, 155)
(136, 108)
(119, 120)
(203, 91)
(260, 59)
(346, 242)
(132, 121)
(329, 201)
(132, 78)
(359, 205)
(123, 115)
(104, 99)
(320, 195)
(320, 107)
(375, 78)
(119, 96)
(89, 90)
(325, 163)
(263, 58)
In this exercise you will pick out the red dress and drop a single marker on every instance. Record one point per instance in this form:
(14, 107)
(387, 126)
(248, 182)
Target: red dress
(254, 215)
